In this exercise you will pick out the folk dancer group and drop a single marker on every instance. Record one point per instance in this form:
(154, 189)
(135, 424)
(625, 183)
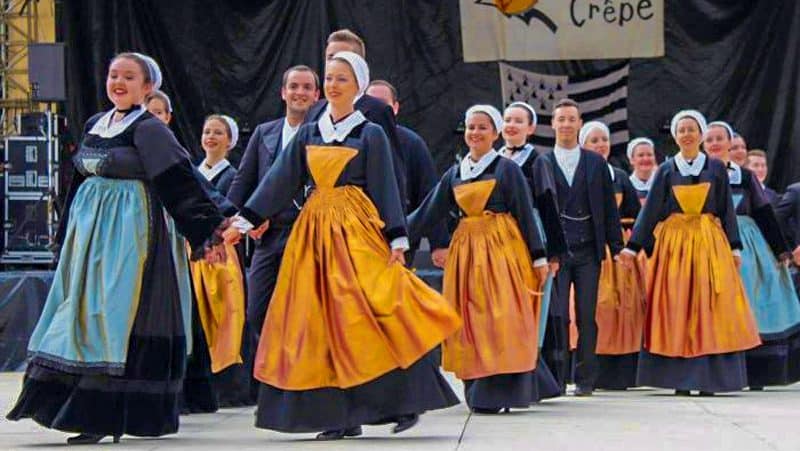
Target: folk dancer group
(677, 274)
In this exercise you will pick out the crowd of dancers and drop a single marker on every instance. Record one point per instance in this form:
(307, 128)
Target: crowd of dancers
(558, 267)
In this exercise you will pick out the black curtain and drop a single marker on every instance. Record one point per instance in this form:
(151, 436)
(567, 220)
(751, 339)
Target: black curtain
(735, 60)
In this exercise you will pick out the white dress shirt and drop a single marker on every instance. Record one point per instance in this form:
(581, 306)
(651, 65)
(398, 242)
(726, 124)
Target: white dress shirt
(567, 160)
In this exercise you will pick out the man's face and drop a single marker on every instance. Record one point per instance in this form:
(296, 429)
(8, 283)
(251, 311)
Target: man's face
(337, 46)
(384, 93)
(300, 91)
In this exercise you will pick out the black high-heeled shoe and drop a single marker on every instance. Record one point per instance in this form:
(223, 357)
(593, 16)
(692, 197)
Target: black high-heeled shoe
(682, 393)
(338, 434)
(706, 394)
(88, 439)
(405, 422)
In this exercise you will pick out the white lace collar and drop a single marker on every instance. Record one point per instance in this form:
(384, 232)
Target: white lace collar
(338, 132)
(692, 169)
(518, 157)
(210, 172)
(105, 129)
(470, 169)
(734, 173)
(640, 185)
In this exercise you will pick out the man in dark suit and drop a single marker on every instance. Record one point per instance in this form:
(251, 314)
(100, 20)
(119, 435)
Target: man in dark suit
(375, 110)
(590, 221)
(757, 162)
(299, 91)
(420, 174)
(787, 211)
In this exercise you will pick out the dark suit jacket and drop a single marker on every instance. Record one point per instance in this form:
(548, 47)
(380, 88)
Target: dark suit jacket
(377, 111)
(264, 146)
(788, 213)
(772, 196)
(603, 205)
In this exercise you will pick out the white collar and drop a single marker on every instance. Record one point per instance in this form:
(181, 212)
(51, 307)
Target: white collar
(288, 132)
(734, 173)
(640, 185)
(518, 157)
(210, 173)
(611, 171)
(338, 132)
(567, 154)
(470, 170)
(105, 129)
(687, 169)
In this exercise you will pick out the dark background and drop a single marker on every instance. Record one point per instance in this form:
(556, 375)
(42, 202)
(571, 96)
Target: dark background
(735, 60)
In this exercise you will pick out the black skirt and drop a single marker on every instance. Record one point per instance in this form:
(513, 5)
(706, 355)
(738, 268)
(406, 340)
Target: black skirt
(555, 349)
(414, 390)
(775, 362)
(712, 373)
(518, 390)
(616, 372)
(144, 400)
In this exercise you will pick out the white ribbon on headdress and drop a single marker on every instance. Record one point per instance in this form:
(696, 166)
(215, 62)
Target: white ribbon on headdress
(693, 114)
(534, 118)
(153, 69)
(589, 127)
(360, 69)
(234, 128)
(632, 145)
(492, 112)
(724, 125)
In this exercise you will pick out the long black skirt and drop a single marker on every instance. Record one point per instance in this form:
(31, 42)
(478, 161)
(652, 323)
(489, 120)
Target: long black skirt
(414, 390)
(555, 348)
(518, 390)
(144, 400)
(712, 373)
(616, 372)
(198, 394)
(775, 362)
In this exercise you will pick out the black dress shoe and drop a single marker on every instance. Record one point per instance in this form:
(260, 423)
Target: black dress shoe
(88, 439)
(485, 411)
(405, 422)
(583, 391)
(338, 434)
(756, 388)
(706, 393)
(682, 393)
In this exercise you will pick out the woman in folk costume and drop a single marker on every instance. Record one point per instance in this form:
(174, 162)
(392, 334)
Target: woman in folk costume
(349, 328)
(698, 322)
(495, 270)
(108, 352)
(519, 124)
(766, 278)
(216, 374)
(642, 155)
(621, 294)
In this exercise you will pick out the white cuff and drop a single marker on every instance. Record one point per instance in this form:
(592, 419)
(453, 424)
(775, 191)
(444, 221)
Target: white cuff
(400, 243)
(539, 262)
(737, 252)
(241, 224)
(629, 252)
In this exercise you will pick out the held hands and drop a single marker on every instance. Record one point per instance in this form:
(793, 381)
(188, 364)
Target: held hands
(541, 274)
(439, 257)
(216, 254)
(737, 260)
(625, 259)
(259, 231)
(554, 266)
(398, 256)
(232, 236)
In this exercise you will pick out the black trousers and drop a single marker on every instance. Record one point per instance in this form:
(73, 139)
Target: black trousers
(263, 274)
(582, 270)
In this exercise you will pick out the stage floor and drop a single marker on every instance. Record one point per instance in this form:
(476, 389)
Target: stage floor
(614, 421)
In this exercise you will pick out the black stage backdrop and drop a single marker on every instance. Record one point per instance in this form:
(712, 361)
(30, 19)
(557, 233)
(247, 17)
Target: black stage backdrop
(733, 60)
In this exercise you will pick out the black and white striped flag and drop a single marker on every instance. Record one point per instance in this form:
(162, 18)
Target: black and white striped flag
(602, 96)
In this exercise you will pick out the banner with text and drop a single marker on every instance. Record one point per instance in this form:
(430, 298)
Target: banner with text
(519, 30)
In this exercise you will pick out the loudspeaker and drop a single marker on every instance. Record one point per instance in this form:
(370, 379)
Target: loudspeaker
(46, 72)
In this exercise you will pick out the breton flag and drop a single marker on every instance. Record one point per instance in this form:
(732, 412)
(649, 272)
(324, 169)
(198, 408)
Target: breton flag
(602, 96)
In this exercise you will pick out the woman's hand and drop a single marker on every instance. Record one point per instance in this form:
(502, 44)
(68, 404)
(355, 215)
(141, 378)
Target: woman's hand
(398, 256)
(439, 257)
(259, 231)
(554, 266)
(216, 254)
(541, 275)
(232, 236)
(625, 259)
(737, 260)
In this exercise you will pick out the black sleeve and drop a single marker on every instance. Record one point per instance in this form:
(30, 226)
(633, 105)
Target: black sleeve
(764, 215)
(612, 226)
(434, 209)
(168, 167)
(423, 167)
(382, 114)
(520, 202)
(787, 212)
(246, 178)
(383, 190)
(546, 201)
(653, 212)
(630, 206)
(285, 177)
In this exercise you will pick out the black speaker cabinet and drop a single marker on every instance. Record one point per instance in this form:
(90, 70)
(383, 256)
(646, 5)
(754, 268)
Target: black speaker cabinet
(46, 72)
